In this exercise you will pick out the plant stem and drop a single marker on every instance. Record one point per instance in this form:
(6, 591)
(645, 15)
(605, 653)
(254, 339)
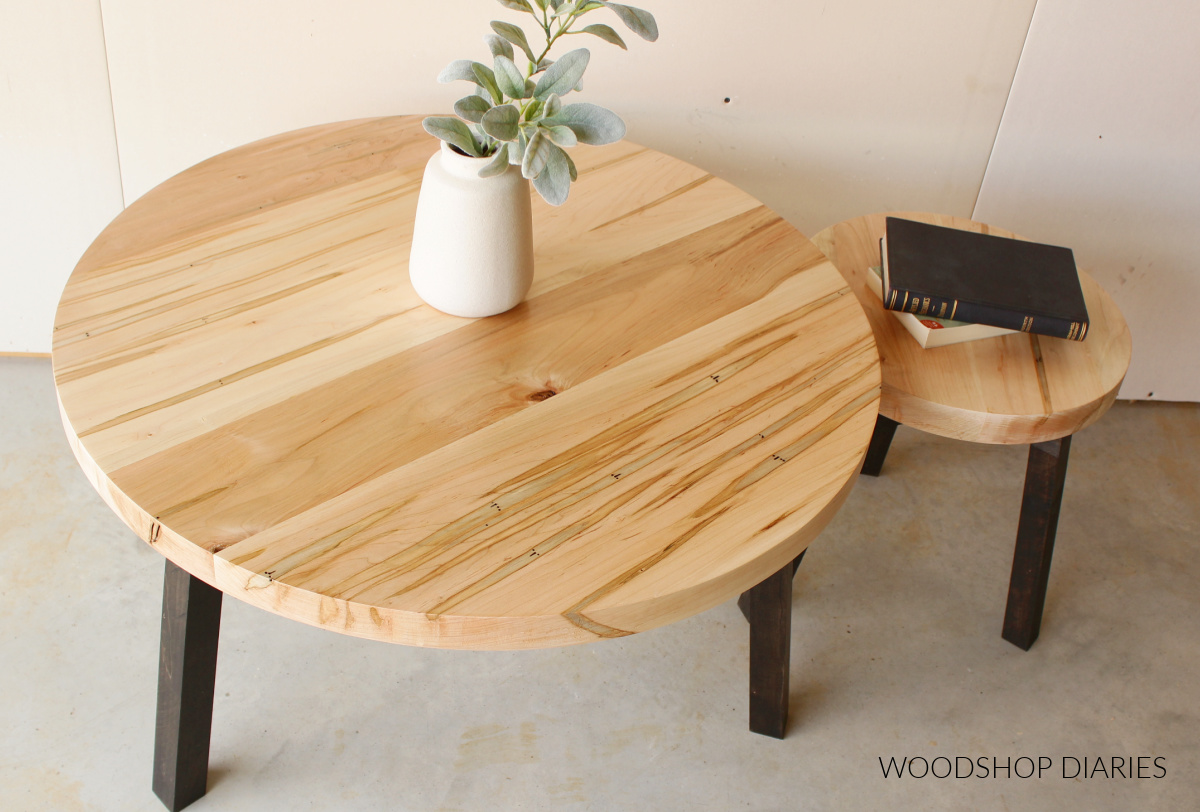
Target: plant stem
(563, 27)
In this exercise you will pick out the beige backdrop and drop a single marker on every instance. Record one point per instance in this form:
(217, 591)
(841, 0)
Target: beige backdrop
(834, 109)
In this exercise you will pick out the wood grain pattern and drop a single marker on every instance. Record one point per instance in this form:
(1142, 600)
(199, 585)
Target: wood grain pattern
(248, 379)
(1016, 389)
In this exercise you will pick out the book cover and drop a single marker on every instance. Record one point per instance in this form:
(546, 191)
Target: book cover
(929, 331)
(981, 278)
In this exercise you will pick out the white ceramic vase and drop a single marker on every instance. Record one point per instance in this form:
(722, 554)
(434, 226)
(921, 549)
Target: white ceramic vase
(472, 248)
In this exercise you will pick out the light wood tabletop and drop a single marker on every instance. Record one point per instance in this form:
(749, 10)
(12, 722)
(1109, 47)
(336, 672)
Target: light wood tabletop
(249, 380)
(1019, 388)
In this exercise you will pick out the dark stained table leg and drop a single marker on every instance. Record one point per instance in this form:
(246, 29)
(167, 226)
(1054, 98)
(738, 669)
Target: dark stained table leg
(881, 440)
(1044, 478)
(744, 599)
(796, 562)
(768, 607)
(187, 669)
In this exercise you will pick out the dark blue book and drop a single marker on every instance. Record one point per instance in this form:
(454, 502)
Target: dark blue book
(981, 278)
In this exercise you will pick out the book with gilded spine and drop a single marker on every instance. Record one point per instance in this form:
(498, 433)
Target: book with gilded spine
(966, 276)
(930, 331)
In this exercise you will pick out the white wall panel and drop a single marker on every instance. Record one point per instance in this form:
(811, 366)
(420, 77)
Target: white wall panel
(835, 108)
(59, 183)
(193, 79)
(1099, 149)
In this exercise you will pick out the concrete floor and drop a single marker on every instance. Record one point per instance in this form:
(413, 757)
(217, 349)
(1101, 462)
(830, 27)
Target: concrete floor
(896, 652)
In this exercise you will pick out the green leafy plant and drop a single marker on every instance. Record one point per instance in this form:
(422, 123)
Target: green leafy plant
(516, 115)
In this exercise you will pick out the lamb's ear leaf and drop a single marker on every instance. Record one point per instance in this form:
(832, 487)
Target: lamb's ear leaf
(498, 46)
(516, 152)
(514, 35)
(606, 33)
(509, 78)
(537, 152)
(498, 165)
(553, 183)
(463, 69)
(472, 108)
(453, 131)
(553, 105)
(501, 122)
(486, 78)
(636, 20)
(571, 166)
(517, 5)
(563, 75)
(592, 123)
(562, 135)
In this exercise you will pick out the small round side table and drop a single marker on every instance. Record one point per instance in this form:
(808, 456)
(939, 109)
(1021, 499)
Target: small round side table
(1014, 389)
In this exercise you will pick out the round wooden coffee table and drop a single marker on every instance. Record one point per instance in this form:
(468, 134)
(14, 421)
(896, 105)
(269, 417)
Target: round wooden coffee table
(1014, 389)
(249, 380)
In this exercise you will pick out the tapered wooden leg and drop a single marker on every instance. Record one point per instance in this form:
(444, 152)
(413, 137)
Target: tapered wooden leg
(796, 562)
(768, 607)
(187, 669)
(744, 598)
(881, 440)
(1044, 479)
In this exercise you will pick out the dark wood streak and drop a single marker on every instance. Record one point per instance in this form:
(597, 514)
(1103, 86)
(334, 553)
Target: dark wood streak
(546, 330)
(613, 162)
(236, 376)
(784, 233)
(327, 544)
(575, 613)
(756, 335)
(200, 245)
(247, 182)
(195, 501)
(67, 374)
(557, 474)
(764, 401)
(284, 269)
(600, 630)
(715, 508)
(674, 193)
(780, 457)
(528, 499)
(1040, 366)
(514, 497)
(518, 563)
(150, 344)
(142, 314)
(177, 271)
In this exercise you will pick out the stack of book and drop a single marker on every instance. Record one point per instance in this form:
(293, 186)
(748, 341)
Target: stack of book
(947, 286)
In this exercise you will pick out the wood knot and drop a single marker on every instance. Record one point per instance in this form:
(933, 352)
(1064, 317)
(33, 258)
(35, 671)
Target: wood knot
(545, 394)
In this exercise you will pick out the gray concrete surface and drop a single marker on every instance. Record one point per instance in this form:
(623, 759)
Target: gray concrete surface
(896, 653)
